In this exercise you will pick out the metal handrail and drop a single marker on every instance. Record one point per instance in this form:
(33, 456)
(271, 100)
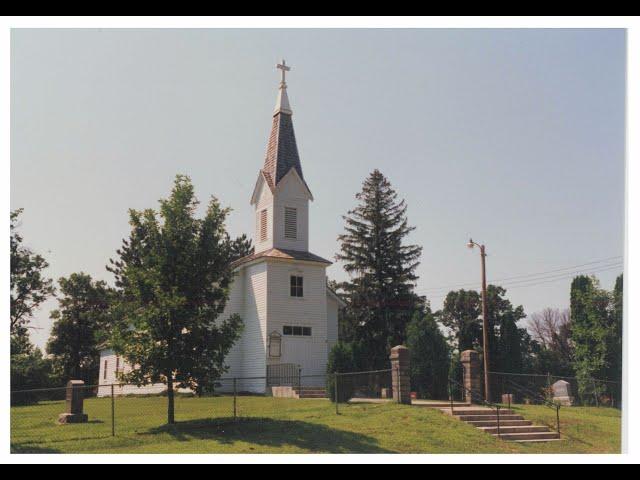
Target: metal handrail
(479, 398)
(546, 402)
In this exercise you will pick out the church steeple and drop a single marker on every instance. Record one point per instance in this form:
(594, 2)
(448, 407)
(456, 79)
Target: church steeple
(282, 151)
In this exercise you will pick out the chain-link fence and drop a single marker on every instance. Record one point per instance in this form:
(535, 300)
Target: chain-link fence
(530, 388)
(122, 410)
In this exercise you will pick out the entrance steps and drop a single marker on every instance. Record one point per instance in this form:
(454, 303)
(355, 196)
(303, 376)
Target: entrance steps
(513, 427)
(310, 392)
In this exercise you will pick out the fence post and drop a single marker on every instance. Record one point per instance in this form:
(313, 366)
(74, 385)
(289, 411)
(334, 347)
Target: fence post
(113, 412)
(558, 419)
(451, 397)
(235, 405)
(498, 414)
(335, 393)
(595, 392)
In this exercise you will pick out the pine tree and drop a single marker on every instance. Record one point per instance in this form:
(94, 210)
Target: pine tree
(430, 356)
(380, 294)
(590, 330)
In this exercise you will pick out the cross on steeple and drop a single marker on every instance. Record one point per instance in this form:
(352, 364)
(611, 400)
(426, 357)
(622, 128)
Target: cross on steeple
(284, 67)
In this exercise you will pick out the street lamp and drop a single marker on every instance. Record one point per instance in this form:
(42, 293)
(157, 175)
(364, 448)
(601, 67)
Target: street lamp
(485, 320)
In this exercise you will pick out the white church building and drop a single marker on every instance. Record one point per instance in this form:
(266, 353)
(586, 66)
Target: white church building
(280, 291)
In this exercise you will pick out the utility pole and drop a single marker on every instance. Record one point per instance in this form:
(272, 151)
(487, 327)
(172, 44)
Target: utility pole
(485, 320)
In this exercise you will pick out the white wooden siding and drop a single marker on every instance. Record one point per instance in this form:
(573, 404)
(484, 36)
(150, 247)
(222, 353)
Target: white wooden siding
(291, 193)
(309, 311)
(265, 201)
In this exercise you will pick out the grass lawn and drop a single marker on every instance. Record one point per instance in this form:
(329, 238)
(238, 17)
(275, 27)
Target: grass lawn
(268, 425)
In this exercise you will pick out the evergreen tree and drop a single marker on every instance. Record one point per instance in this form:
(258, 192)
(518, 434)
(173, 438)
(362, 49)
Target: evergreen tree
(78, 322)
(241, 247)
(174, 274)
(380, 294)
(430, 356)
(508, 343)
(614, 347)
(590, 330)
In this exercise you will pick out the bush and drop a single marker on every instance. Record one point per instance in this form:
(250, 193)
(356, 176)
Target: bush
(430, 357)
(341, 360)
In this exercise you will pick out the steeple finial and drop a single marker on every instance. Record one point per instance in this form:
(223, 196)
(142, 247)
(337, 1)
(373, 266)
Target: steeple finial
(282, 102)
(285, 68)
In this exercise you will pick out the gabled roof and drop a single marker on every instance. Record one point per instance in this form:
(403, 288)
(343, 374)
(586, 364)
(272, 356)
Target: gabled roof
(281, 254)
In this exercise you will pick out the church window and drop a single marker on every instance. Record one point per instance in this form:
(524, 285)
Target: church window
(296, 331)
(263, 225)
(104, 374)
(290, 223)
(296, 286)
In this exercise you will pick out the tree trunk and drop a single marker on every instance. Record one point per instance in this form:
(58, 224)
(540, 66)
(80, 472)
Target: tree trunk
(170, 401)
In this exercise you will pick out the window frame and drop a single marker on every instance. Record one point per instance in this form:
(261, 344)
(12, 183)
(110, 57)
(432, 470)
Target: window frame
(296, 286)
(290, 331)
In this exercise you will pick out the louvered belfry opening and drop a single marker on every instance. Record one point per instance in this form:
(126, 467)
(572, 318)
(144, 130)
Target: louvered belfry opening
(263, 225)
(290, 223)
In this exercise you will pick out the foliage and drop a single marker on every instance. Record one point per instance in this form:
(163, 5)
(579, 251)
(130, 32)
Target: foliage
(29, 287)
(596, 331)
(429, 357)
(460, 315)
(380, 293)
(342, 359)
(551, 330)
(174, 276)
(81, 316)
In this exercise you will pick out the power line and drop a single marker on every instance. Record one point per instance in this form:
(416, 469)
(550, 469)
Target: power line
(540, 281)
(523, 275)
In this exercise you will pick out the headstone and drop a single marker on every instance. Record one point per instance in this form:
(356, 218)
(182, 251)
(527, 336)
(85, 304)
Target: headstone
(75, 400)
(386, 393)
(507, 398)
(400, 379)
(562, 393)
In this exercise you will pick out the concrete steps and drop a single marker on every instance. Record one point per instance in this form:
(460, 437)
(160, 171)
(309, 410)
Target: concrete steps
(310, 392)
(525, 437)
(506, 423)
(430, 404)
(513, 427)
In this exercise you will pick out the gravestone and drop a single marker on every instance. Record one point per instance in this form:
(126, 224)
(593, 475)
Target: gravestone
(507, 398)
(562, 393)
(75, 400)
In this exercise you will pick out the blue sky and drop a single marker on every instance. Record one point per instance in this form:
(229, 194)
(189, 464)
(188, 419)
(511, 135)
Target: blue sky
(514, 137)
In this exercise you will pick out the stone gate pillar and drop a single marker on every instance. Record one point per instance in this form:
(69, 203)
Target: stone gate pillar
(400, 379)
(472, 378)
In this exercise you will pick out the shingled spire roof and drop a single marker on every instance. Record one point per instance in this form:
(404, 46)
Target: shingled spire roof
(282, 151)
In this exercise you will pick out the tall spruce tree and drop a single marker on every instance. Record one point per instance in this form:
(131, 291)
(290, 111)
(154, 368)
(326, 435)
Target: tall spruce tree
(380, 294)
